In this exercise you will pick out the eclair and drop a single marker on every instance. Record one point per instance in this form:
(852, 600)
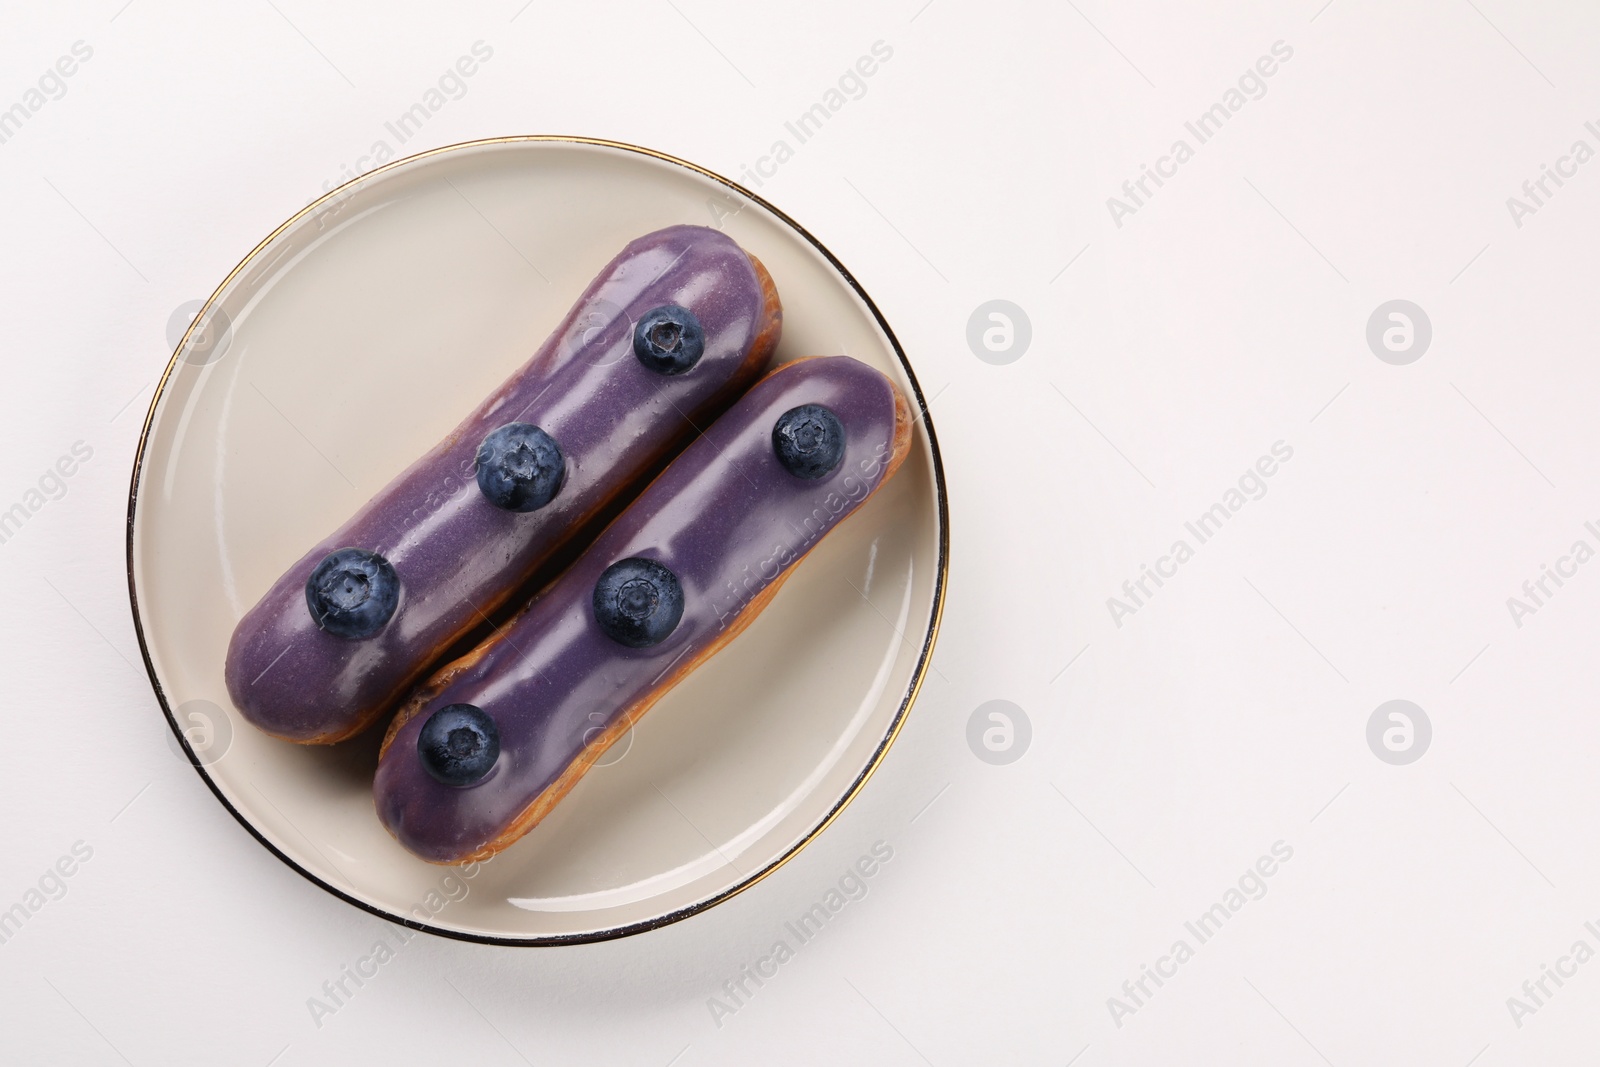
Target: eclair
(491, 742)
(674, 328)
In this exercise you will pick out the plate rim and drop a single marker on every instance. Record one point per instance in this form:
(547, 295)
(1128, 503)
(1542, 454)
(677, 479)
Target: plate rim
(919, 674)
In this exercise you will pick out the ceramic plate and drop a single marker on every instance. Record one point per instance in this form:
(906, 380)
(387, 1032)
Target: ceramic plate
(355, 337)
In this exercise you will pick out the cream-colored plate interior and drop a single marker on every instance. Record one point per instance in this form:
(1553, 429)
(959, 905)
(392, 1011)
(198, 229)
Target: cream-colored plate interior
(358, 335)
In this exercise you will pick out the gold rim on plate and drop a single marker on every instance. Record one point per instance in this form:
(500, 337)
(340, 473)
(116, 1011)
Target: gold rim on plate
(923, 660)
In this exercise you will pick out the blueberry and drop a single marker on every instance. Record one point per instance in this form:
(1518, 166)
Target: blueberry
(669, 339)
(809, 440)
(458, 744)
(520, 467)
(352, 592)
(638, 602)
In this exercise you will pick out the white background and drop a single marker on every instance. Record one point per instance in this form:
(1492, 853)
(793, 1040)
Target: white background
(1170, 352)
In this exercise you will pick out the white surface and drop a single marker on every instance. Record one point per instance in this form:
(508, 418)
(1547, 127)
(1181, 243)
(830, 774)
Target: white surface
(1216, 321)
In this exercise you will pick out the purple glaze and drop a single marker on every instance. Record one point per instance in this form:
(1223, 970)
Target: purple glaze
(458, 556)
(726, 518)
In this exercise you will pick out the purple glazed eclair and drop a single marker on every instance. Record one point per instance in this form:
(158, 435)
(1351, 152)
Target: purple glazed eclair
(671, 331)
(488, 745)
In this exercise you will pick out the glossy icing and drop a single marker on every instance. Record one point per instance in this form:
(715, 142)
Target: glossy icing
(458, 556)
(728, 520)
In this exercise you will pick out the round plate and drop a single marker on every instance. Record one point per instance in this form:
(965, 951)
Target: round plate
(356, 336)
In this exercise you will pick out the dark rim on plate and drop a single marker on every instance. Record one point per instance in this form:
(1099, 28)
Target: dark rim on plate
(923, 659)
